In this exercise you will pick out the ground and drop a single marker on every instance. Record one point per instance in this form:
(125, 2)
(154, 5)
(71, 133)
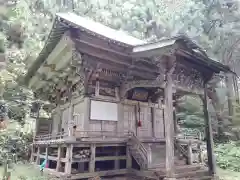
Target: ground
(34, 174)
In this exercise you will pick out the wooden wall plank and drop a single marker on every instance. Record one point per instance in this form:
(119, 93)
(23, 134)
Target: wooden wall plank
(95, 125)
(109, 126)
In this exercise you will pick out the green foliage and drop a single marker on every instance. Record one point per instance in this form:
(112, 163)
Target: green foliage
(14, 145)
(190, 115)
(228, 156)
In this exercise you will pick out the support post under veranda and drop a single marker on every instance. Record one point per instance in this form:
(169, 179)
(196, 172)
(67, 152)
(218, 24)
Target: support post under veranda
(169, 126)
(209, 134)
(68, 165)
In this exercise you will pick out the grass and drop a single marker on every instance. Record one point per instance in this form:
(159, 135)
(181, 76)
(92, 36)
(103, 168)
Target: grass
(25, 170)
(228, 175)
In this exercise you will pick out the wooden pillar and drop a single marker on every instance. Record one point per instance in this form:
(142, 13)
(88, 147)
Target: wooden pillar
(153, 121)
(59, 158)
(37, 121)
(175, 121)
(149, 148)
(70, 120)
(97, 88)
(129, 158)
(92, 158)
(68, 165)
(169, 127)
(87, 104)
(38, 156)
(46, 156)
(120, 127)
(117, 161)
(229, 84)
(209, 134)
(200, 155)
(32, 153)
(190, 154)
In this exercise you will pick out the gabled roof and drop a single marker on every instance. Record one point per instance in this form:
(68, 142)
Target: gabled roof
(64, 21)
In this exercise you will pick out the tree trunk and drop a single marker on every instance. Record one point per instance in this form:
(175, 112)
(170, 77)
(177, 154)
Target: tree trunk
(229, 85)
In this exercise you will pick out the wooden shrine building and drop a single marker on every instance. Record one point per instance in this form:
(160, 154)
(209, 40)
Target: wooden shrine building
(113, 97)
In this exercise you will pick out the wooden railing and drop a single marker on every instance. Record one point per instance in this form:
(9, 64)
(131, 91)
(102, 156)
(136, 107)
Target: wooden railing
(185, 147)
(46, 137)
(139, 152)
(101, 134)
(193, 135)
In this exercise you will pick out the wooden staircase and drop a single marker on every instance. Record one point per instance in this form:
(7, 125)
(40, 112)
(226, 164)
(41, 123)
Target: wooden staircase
(151, 160)
(139, 152)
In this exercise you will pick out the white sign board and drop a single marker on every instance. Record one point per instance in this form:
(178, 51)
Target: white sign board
(104, 111)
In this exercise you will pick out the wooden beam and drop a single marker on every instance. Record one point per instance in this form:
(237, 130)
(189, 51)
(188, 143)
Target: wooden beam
(103, 48)
(100, 173)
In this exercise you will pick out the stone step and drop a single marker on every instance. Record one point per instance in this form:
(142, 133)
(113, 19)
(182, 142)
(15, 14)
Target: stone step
(192, 174)
(185, 168)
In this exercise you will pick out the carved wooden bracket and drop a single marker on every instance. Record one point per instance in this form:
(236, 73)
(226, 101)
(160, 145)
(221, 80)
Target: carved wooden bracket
(125, 87)
(187, 79)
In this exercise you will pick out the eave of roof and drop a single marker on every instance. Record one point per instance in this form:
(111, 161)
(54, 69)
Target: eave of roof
(54, 37)
(200, 58)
